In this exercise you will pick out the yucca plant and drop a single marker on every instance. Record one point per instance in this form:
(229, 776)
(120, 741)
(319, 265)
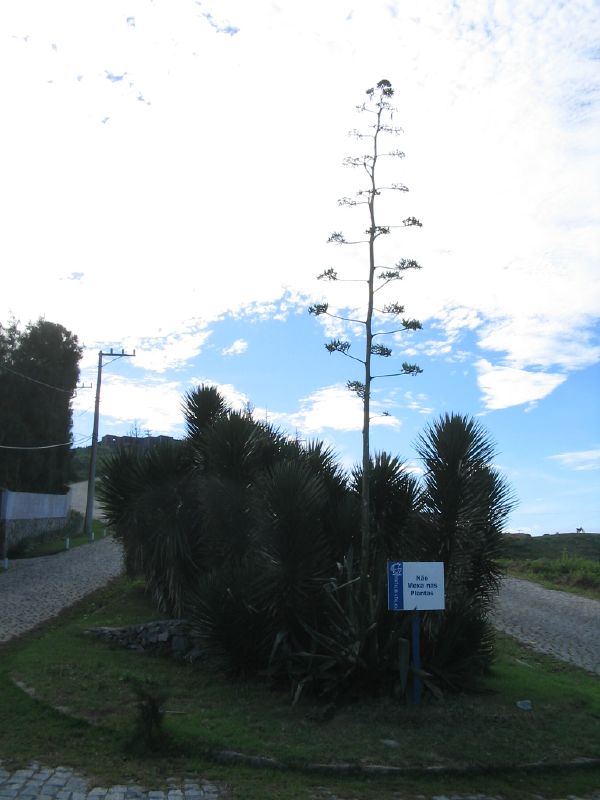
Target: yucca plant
(233, 632)
(201, 407)
(238, 448)
(255, 538)
(231, 456)
(466, 502)
(150, 499)
(288, 561)
(342, 510)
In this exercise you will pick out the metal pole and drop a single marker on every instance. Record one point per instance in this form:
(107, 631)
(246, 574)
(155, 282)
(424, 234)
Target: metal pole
(89, 508)
(4, 527)
(416, 650)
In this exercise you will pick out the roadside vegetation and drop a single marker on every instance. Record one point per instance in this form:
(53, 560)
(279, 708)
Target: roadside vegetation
(66, 698)
(80, 462)
(570, 562)
(49, 546)
(255, 539)
(51, 542)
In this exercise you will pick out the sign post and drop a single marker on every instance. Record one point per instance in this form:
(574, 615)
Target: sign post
(416, 650)
(416, 586)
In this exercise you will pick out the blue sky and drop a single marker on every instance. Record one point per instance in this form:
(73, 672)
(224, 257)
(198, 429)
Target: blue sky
(171, 173)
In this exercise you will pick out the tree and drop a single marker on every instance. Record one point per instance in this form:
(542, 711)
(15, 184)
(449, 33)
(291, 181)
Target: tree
(379, 107)
(39, 370)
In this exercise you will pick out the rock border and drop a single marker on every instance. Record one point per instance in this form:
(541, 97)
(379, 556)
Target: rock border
(169, 637)
(377, 770)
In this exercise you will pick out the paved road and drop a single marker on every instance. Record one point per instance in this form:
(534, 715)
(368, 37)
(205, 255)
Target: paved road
(564, 625)
(63, 784)
(79, 499)
(34, 590)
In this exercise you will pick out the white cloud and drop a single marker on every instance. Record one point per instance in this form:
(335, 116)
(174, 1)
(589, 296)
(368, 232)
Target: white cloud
(503, 387)
(582, 460)
(541, 341)
(152, 403)
(149, 402)
(210, 187)
(232, 396)
(236, 348)
(334, 408)
(417, 402)
(162, 354)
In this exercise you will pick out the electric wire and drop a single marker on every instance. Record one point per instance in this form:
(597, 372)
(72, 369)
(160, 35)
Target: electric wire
(36, 447)
(34, 380)
(45, 446)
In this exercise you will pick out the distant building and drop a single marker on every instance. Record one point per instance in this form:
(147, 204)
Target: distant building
(110, 442)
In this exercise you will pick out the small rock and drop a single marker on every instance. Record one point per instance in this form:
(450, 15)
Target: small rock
(524, 705)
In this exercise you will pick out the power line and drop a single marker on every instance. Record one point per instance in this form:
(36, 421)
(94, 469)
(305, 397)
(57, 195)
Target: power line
(80, 439)
(120, 355)
(34, 380)
(81, 413)
(36, 447)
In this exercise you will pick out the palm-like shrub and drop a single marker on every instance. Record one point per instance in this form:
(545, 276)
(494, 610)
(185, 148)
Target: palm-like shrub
(233, 453)
(201, 407)
(223, 619)
(150, 500)
(466, 502)
(253, 537)
(277, 583)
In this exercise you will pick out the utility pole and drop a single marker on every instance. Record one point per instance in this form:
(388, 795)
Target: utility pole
(89, 509)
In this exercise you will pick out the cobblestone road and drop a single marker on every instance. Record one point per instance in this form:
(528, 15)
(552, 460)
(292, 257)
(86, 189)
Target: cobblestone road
(40, 783)
(34, 590)
(558, 623)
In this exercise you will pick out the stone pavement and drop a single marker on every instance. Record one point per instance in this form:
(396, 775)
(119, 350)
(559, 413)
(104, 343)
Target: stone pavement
(563, 625)
(34, 590)
(38, 782)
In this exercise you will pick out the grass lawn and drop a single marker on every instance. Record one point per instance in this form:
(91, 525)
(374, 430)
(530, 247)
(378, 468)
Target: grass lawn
(50, 545)
(68, 699)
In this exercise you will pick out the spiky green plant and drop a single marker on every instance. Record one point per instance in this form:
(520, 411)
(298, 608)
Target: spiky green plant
(466, 502)
(201, 406)
(150, 499)
(255, 537)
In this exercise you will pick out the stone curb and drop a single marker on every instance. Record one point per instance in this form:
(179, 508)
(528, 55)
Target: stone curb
(372, 770)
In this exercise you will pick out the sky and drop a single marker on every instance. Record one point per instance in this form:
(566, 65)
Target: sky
(170, 175)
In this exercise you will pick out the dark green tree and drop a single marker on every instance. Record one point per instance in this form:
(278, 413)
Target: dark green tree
(380, 111)
(39, 370)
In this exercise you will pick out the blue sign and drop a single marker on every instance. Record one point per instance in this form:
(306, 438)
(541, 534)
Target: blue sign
(395, 586)
(415, 585)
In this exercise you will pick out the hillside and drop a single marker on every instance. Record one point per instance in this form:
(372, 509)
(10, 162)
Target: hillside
(553, 546)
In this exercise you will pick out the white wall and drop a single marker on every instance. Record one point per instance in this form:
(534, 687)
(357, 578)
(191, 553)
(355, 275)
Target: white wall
(30, 505)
